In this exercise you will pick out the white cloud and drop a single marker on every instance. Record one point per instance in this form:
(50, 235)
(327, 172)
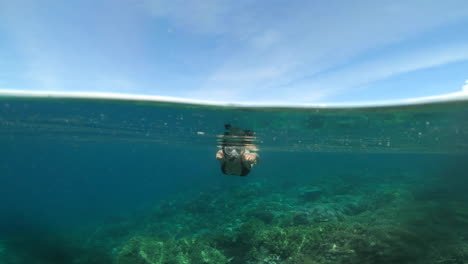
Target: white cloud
(358, 75)
(280, 48)
(402, 63)
(325, 86)
(465, 87)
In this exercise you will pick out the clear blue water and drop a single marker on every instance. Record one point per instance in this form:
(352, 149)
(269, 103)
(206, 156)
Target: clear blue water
(147, 172)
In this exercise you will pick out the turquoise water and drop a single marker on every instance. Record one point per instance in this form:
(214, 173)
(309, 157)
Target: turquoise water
(107, 181)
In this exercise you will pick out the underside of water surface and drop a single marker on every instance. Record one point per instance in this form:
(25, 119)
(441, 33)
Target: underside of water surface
(109, 181)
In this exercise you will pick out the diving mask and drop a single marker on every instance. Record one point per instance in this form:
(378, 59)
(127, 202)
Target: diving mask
(233, 151)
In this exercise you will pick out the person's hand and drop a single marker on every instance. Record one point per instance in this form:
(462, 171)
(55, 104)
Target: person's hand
(219, 155)
(251, 158)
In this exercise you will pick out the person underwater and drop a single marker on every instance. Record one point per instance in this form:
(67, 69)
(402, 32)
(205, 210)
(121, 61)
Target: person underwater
(236, 155)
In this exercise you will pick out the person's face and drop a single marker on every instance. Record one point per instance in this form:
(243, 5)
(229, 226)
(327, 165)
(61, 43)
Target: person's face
(233, 152)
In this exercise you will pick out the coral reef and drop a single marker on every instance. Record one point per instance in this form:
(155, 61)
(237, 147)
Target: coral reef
(148, 250)
(299, 224)
(324, 221)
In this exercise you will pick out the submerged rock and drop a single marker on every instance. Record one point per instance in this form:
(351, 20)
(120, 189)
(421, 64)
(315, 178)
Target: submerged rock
(264, 215)
(325, 213)
(302, 219)
(311, 194)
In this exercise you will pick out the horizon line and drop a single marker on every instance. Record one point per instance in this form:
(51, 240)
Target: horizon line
(450, 97)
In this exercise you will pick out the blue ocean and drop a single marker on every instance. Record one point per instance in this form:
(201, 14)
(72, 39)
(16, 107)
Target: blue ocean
(88, 181)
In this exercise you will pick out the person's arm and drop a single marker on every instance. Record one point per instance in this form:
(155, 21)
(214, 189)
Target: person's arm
(220, 155)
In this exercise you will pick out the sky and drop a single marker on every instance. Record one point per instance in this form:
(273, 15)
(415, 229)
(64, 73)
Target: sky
(239, 51)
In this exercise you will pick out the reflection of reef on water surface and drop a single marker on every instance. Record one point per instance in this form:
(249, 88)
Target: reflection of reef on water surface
(330, 220)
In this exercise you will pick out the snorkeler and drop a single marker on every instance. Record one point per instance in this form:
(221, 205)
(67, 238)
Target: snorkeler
(236, 156)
